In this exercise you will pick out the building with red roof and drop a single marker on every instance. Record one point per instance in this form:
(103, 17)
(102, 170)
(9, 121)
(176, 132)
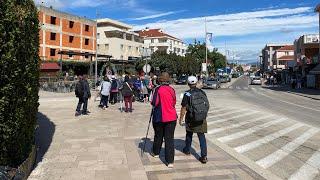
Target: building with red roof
(283, 58)
(158, 40)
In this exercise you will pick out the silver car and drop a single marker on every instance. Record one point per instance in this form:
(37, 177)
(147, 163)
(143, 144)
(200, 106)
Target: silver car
(211, 83)
(255, 81)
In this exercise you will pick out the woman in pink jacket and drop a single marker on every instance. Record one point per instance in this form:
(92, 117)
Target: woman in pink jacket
(164, 118)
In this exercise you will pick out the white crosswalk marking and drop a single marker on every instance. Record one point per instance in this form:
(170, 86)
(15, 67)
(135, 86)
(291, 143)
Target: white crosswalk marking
(288, 148)
(249, 131)
(227, 113)
(266, 139)
(233, 117)
(213, 131)
(310, 169)
(238, 87)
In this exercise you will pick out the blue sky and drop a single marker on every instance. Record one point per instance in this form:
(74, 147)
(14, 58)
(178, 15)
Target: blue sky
(244, 26)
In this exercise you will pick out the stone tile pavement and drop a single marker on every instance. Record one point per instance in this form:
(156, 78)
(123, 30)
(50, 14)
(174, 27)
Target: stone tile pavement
(106, 145)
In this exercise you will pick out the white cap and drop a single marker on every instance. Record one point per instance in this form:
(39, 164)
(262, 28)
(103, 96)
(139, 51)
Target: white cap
(192, 80)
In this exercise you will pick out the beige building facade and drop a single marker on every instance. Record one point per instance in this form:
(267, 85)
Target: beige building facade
(118, 40)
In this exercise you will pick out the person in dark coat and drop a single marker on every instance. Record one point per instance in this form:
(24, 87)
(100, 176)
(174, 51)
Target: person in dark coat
(127, 93)
(199, 127)
(83, 94)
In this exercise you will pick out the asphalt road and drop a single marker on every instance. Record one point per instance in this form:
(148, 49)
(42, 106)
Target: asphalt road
(272, 130)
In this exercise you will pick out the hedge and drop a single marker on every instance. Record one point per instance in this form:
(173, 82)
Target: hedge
(19, 79)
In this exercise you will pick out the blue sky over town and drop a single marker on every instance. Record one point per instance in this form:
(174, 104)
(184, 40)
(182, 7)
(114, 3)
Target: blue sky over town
(243, 26)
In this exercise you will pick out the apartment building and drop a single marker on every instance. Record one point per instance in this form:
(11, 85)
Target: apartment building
(118, 40)
(157, 40)
(65, 32)
(283, 58)
(306, 53)
(268, 56)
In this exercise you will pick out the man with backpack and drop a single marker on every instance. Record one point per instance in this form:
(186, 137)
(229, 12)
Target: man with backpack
(195, 106)
(82, 92)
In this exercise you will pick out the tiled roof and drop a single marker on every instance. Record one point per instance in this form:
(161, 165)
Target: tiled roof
(154, 33)
(287, 48)
(49, 66)
(286, 58)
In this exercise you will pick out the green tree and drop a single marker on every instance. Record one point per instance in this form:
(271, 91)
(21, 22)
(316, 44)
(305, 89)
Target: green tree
(19, 80)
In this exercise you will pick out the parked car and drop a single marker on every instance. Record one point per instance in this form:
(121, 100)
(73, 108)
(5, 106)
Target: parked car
(256, 80)
(181, 80)
(212, 83)
(223, 79)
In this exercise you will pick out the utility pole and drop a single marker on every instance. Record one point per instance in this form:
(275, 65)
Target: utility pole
(205, 23)
(318, 10)
(96, 56)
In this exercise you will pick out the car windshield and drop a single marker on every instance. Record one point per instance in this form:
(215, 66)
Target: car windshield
(211, 79)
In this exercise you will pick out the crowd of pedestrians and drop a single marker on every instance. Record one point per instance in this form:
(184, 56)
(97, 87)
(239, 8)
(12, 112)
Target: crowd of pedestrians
(194, 108)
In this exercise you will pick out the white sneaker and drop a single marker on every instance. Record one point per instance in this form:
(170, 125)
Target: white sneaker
(170, 165)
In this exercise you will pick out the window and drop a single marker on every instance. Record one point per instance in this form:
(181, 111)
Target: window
(70, 55)
(70, 39)
(98, 35)
(71, 23)
(137, 49)
(121, 46)
(286, 53)
(86, 41)
(86, 55)
(52, 52)
(129, 48)
(106, 46)
(86, 28)
(152, 40)
(53, 36)
(53, 20)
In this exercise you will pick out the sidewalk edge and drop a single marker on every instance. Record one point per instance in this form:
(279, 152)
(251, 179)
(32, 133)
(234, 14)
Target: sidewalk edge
(246, 161)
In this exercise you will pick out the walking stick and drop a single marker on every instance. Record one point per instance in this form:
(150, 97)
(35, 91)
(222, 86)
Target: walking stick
(145, 139)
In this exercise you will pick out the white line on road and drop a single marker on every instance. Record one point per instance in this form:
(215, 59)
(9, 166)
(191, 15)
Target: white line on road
(267, 139)
(233, 117)
(246, 132)
(287, 149)
(227, 113)
(213, 131)
(309, 170)
(289, 102)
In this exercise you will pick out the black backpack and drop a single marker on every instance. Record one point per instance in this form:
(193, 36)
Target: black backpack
(114, 84)
(199, 105)
(79, 89)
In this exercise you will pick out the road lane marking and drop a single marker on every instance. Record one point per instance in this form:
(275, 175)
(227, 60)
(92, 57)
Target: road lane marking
(287, 149)
(246, 132)
(289, 102)
(233, 117)
(267, 139)
(213, 131)
(227, 113)
(309, 170)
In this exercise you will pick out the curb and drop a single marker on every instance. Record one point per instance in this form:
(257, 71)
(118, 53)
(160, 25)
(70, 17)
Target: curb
(246, 161)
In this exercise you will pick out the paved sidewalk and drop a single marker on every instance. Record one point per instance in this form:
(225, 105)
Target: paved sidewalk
(304, 92)
(106, 145)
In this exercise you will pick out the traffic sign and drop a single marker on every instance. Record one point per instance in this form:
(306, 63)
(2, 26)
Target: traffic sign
(146, 68)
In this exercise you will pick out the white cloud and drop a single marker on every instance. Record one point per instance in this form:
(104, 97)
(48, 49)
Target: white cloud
(239, 23)
(156, 15)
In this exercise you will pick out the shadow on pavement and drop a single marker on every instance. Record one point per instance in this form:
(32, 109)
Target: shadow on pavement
(43, 136)
(178, 145)
(304, 92)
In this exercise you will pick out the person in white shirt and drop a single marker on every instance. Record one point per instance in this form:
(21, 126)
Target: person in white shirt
(105, 92)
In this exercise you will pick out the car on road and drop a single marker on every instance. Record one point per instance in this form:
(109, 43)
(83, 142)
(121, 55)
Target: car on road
(211, 83)
(223, 79)
(181, 80)
(256, 80)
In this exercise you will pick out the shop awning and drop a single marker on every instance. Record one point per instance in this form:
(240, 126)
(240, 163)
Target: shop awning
(49, 66)
(315, 70)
